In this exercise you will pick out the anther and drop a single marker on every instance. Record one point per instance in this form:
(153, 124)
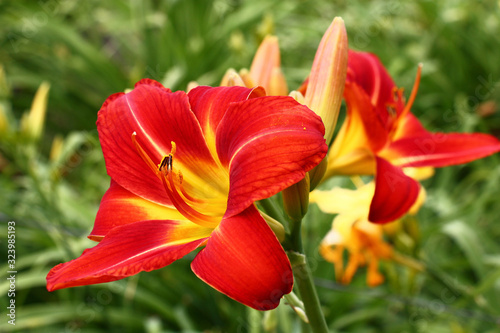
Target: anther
(166, 161)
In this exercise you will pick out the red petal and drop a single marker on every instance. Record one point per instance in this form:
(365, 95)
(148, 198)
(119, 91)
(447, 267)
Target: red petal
(366, 70)
(119, 207)
(209, 104)
(395, 193)
(268, 144)
(128, 250)
(363, 118)
(244, 260)
(158, 116)
(408, 126)
(439, 150)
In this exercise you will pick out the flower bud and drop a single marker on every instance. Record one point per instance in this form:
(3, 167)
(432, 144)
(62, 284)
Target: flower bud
(32, 123)
(327, 79)
(265, 69)
(4, 121)
(232, 78)
(296, 199)
(4, 94)
(275, 226)
(297, 95)
(317, 173)
(56, 148)
(191, 85)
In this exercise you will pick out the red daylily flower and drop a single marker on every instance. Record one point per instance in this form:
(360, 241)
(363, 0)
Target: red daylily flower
(381, 136)
(185, 171)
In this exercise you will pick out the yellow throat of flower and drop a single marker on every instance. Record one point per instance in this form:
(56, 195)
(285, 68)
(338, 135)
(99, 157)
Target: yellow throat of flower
(173, 183)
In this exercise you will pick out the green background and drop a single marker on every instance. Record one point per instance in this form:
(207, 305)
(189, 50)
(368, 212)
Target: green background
(88, 50)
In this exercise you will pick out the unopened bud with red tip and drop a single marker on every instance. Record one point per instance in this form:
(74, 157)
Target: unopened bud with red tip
(327, 79)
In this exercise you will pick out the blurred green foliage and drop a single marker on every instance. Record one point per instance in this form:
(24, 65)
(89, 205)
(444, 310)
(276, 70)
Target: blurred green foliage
(88, 50)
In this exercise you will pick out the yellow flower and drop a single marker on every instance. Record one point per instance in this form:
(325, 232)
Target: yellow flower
(352, 232)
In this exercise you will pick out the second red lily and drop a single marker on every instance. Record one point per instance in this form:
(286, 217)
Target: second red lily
(381, 136)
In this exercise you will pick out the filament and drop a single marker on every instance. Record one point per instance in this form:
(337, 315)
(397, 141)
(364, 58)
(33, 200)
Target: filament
(181, 200)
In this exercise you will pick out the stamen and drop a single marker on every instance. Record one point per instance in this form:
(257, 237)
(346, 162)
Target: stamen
(166, 161)
(391, 110)
(183, 191)
(395, 94)
(144, 155)
(413, 91)
(174, 148)
(182, 201)
(182, 206)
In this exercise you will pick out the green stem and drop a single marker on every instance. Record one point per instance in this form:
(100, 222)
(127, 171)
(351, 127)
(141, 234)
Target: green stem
(304, 281)
(254, 320)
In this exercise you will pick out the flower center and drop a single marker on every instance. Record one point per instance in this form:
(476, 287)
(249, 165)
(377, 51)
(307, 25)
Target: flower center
(399, 102)
(173, 183)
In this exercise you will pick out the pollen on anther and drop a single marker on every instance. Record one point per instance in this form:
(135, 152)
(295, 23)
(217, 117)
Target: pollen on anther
(172, 151)
(166, 161)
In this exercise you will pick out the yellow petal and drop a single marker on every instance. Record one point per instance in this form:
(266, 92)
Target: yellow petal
(422, 195)
(419, 173)
(350, 152)
(345, 201)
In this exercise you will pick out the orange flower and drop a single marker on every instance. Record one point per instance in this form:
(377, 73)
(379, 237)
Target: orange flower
(352, 232)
